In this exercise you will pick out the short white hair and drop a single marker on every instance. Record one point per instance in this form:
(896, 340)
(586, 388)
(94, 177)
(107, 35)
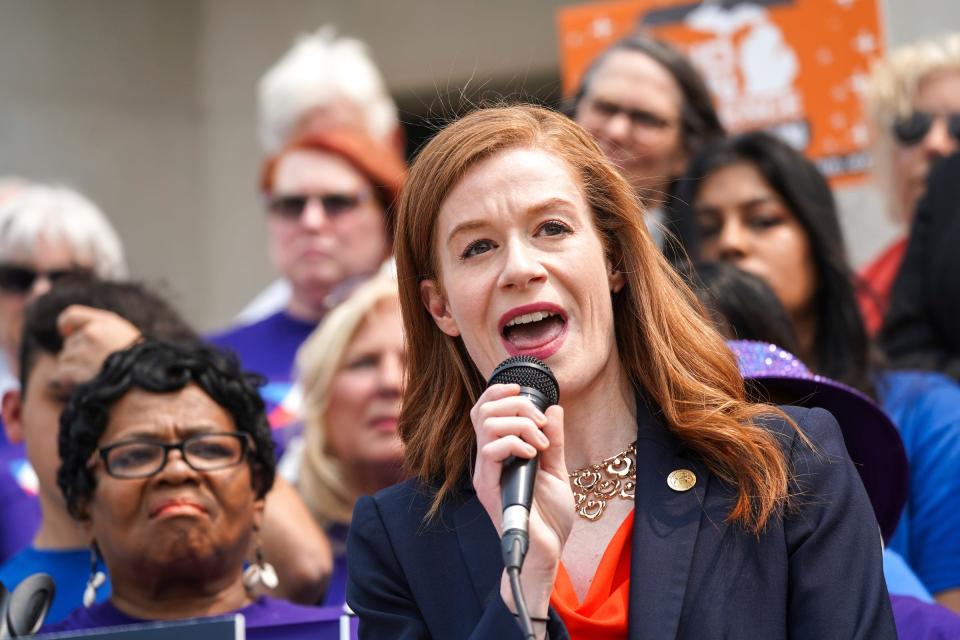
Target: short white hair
(318, 69)
(57, 212)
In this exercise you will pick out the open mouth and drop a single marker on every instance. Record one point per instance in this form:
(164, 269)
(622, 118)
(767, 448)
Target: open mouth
(384, 423)
(537, 333)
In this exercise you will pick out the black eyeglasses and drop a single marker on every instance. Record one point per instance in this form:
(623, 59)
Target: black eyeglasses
(913, 128)
(20, 279)
(291, 207)
(203, 452)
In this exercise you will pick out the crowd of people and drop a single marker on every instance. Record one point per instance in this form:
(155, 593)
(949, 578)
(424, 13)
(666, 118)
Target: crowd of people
(752, 439)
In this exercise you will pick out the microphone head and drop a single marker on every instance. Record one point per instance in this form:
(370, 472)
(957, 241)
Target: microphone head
(529, 372)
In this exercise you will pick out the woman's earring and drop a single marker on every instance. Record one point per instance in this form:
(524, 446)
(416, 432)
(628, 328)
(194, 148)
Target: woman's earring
(96, 579)
(260, 572)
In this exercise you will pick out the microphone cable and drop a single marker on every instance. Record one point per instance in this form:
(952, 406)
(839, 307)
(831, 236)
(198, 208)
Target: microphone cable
(523, 615)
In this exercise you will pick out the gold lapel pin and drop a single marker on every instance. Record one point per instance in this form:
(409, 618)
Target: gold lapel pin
(681, 480)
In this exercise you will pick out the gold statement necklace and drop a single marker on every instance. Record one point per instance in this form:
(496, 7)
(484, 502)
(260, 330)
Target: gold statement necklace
(594, 485)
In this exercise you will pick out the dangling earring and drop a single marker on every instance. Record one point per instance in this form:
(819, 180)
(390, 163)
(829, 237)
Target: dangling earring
(96, 579)
(260, 572)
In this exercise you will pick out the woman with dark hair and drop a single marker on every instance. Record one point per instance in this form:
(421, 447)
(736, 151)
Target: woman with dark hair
(650, 111)
(766, 209)
(821, 303)
(516, 236)
(166, 459)
(775, 374)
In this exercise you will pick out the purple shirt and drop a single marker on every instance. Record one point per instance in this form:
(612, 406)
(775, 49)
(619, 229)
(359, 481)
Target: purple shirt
(269, 347)
(336, 595)
(918, 620)
(19, 506)
(263, 612)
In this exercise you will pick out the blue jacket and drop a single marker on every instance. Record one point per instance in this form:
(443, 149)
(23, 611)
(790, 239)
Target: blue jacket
(814, 573)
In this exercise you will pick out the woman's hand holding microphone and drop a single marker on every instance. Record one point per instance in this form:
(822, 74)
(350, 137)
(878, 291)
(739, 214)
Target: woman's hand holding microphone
(507, 424)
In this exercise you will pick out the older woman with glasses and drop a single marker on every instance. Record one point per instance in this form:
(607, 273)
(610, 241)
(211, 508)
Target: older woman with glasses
(167, 458)
(913, 99)
(46, 232)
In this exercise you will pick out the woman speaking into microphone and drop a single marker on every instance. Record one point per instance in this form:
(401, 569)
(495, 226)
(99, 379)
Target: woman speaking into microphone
(666, 505)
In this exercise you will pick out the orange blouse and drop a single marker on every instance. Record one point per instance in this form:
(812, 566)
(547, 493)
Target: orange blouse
(603, 613)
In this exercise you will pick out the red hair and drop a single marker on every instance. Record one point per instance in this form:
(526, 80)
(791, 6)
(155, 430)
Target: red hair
(381, 165)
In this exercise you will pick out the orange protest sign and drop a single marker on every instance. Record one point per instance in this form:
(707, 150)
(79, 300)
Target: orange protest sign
(797, 67)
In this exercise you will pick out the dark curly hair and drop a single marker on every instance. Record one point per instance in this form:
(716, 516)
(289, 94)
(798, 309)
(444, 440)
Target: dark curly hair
(158, 367)
(741, 305)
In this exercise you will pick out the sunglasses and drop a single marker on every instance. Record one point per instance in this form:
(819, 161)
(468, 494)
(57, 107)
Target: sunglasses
(20, 279)
(913, 128)
(291, 207)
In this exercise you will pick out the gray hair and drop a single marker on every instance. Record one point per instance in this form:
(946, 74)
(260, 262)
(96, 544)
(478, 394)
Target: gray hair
(57, 212)
(318, 69)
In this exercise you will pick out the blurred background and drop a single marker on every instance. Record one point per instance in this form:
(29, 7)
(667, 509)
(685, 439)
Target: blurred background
(148, 107)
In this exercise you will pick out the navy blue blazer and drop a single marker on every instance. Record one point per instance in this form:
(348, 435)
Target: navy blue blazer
(814, 573)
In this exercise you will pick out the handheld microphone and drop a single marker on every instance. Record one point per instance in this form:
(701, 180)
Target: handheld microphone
(516, 481)
(23, 610)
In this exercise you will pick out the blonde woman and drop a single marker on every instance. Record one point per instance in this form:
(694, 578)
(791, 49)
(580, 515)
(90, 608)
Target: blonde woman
(913, 100)
(350, 369)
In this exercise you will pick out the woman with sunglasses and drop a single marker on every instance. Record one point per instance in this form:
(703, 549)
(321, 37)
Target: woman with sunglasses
(46, 232)
(328, 198)
(167, 458)
(913, 99)
(763, 207)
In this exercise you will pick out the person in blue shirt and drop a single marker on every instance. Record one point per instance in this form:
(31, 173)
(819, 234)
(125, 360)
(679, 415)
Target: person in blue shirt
(745, 309)
(761, 206)
(68, 334)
